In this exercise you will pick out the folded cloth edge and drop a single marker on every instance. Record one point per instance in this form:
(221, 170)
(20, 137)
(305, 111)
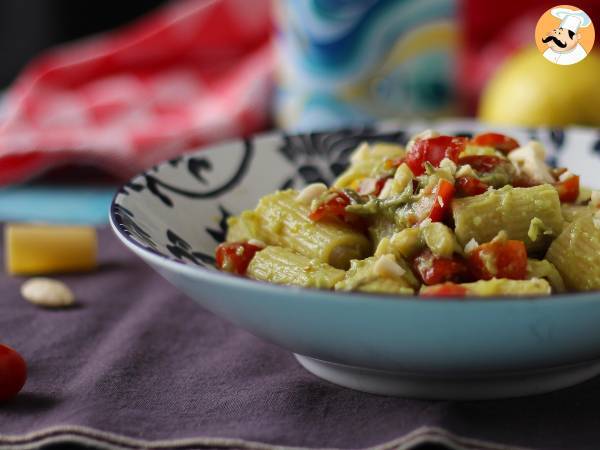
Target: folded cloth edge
(92, 437)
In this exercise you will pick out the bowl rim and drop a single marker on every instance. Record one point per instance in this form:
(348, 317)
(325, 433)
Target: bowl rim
(119, 229)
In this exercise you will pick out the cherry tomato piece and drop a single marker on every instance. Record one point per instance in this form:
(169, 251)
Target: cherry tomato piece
(443, 195)
(434, 150)
(482, 163)
(436, 269)
(507, 259)
(568, 190)
(499, 141)
(447, 289)
(333, 208)
(13, 372)
(467, 186)
(234, 257)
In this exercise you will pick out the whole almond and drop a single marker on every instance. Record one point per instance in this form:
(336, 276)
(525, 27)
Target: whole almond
(47, 292)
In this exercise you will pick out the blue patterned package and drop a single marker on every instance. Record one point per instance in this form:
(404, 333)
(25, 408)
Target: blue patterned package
(355, 61)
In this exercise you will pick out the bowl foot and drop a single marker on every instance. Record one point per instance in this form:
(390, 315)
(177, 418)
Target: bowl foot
(471, 387)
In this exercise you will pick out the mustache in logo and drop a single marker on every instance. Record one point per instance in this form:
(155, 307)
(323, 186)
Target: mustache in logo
(556, 41)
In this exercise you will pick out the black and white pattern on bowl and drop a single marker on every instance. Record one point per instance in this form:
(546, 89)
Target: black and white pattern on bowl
(179, 209)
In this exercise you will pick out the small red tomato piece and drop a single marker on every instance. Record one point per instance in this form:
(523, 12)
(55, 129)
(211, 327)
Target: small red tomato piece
(234, 257)
(13, 372)
(436, 269)
(482, 163)
(499, 141)
(447, 289)
(435, 205)
(507, 259)
(332, 209)
(467, 186)
(443, 195)
(568, 190)
(434, 150)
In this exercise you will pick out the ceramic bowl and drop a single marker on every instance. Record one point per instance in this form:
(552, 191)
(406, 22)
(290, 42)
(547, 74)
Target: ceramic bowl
(174, 215)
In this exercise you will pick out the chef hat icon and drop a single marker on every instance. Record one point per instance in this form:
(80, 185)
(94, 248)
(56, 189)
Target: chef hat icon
(571, 19)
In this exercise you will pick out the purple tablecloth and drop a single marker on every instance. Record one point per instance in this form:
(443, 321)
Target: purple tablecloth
(137, 362)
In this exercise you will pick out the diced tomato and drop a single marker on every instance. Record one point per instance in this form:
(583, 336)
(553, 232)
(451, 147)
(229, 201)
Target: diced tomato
(333, 208)
(447, 289)
(434, 150)
(370, 186)
(442, 195)
(568, 190)
(482, 163)
(467, 186)
(503, 259)
(436, 269)
(234, 257)
(499, 141)
(436, 205)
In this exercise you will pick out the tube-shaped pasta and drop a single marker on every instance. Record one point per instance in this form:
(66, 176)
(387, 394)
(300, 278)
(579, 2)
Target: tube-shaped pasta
(244, 227)
(571, 212)
(483, 216)
(285, 222)
(364, 162)
(545, 269)
(367, 275)
(576, 253)
(283, 266)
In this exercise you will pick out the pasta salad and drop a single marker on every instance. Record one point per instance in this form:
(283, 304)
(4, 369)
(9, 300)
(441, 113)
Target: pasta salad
(445, 216)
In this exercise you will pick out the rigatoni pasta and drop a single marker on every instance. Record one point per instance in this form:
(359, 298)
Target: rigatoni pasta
(446, 216)
(576, 253)
(284, 266)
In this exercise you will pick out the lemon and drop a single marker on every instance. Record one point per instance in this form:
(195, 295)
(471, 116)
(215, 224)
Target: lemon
(529, 90)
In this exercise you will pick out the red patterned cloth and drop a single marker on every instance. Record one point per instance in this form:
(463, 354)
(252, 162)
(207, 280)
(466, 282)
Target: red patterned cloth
(188, 74)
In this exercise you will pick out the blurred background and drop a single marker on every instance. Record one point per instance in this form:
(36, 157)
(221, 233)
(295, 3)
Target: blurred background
(97, 91)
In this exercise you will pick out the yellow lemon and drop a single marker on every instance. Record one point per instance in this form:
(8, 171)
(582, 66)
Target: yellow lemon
(529, 90)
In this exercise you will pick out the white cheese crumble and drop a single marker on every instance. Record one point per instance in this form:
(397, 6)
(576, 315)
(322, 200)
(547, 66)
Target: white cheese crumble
(311, 192)
(471, 245)
(387, 267)
(530, 160)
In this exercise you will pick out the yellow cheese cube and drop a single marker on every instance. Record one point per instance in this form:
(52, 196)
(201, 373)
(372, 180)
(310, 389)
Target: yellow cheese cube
(41, 249)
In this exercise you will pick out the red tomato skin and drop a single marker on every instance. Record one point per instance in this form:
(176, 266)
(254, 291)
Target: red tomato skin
(499, 141)
(468, 186)
(445, 192)
(13, 372)
(228, 259)
(434, 150)
(482, 163)
(435, 269)
(334, 208)
(510, 260)
(568, 190)
(447, 289)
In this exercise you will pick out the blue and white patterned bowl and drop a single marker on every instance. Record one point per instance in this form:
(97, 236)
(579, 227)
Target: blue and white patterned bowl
(174, 215)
